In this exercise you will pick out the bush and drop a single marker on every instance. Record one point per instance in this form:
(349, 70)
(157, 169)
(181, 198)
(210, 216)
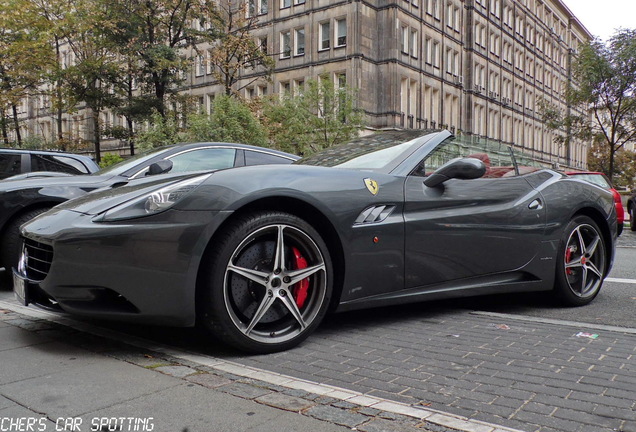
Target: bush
(109, 159)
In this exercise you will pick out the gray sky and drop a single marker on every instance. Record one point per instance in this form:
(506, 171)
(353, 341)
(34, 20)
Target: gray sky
(602, 17)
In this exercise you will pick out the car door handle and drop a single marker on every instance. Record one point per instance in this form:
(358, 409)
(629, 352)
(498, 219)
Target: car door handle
(535, 205)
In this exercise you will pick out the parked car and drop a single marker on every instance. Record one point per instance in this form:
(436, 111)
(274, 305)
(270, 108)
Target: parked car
(259, 254)
(19, 161)
(23, 199)
(600, 179)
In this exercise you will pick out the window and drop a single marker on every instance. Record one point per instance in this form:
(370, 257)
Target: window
(299, 85)
(10, 164)
(57, 163)
(404, 43)
(341, 32)
(260, 158)
(299, 2)
(435, 51)
(285, 89)
(325, 35)
(200, 66)
(256, 7)
(262, 44)
(285, 44)
(285, 4)
(203, 159)
(299, 42)
(413, 43)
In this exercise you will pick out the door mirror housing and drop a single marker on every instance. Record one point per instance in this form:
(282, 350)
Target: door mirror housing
(160, 167)
(459, 168)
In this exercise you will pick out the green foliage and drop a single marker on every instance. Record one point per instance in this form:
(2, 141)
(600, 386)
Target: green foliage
(598, 159)
(322, 116)
(230, 121)
(602, 97)
(110, 159)
(161, 132)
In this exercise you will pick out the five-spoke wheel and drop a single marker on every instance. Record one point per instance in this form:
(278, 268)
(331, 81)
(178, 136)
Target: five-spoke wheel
(582, 265)
(271, 283)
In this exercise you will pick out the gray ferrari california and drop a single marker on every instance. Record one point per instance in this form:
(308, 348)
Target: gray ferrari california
(259, 254)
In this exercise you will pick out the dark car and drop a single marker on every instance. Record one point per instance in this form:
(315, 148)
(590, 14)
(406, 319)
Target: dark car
(23, 199)
(259, 254)
(600, 179)
(631, 209)
(19, 161)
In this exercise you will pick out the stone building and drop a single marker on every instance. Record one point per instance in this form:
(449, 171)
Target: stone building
(478, 67)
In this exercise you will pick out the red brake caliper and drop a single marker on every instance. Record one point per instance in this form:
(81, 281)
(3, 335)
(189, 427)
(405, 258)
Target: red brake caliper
(300, 289)
(568, 257)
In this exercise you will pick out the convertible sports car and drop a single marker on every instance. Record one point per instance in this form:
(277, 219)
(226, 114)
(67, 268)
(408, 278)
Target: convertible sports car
(23, 199)
(259, 254)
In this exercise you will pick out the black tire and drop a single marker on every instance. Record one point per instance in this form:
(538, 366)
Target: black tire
(632, 221)
(251, 296)
(11, 243)
(581, 263)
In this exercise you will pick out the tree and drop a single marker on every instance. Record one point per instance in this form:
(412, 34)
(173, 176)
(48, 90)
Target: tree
(602, 96)
(321, 116)
(151, 34)
(231, 121)
(95, 72)
(598, 159)
(235, 50)
(25, 55)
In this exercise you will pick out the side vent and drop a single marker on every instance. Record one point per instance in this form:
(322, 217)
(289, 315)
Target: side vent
(374, 214)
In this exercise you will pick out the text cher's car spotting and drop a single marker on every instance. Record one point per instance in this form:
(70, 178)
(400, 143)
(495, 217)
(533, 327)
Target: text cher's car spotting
(260, 254)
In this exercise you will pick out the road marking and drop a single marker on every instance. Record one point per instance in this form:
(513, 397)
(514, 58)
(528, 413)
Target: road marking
(557, 322)
(619, 280)
(433, 416)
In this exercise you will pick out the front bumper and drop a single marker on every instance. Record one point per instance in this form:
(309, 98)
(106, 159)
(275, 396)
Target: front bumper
(142, 270)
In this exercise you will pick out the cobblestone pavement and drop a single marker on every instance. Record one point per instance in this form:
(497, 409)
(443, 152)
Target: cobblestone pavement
(523, 374)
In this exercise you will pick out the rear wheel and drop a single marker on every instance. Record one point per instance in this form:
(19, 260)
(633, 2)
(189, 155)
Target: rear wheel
(11, 243)
(632, 221)
(582, 262)
(270, 283)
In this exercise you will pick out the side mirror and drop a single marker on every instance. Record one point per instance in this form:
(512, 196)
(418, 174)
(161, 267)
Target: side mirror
(161, 167)
(460, 168)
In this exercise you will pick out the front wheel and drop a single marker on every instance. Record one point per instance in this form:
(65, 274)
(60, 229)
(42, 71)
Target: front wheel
(581, 264)
(270, 283)
(632, 220)
(11, 243)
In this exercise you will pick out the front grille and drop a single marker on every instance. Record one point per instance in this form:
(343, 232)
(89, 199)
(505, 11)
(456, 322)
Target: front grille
(38, 259)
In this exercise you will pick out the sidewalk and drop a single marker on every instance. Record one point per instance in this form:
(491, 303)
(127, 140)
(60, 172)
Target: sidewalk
(58, 378)
(49, 385)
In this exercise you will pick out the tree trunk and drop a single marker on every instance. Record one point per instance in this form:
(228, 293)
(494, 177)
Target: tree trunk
(131, 137)
(5, 134)
(58, 96)
(16, 124)
(611, 163)
(96, 131)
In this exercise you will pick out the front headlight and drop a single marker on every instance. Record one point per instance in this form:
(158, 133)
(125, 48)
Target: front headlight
(152, 202)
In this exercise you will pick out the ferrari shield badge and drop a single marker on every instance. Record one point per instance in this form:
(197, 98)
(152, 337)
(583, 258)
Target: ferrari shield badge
(372, 185)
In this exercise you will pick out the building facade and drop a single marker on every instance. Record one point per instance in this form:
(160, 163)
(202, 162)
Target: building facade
(477, 67)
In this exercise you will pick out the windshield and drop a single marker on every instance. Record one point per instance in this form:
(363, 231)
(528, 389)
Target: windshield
(131, 162)
(373, 152)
